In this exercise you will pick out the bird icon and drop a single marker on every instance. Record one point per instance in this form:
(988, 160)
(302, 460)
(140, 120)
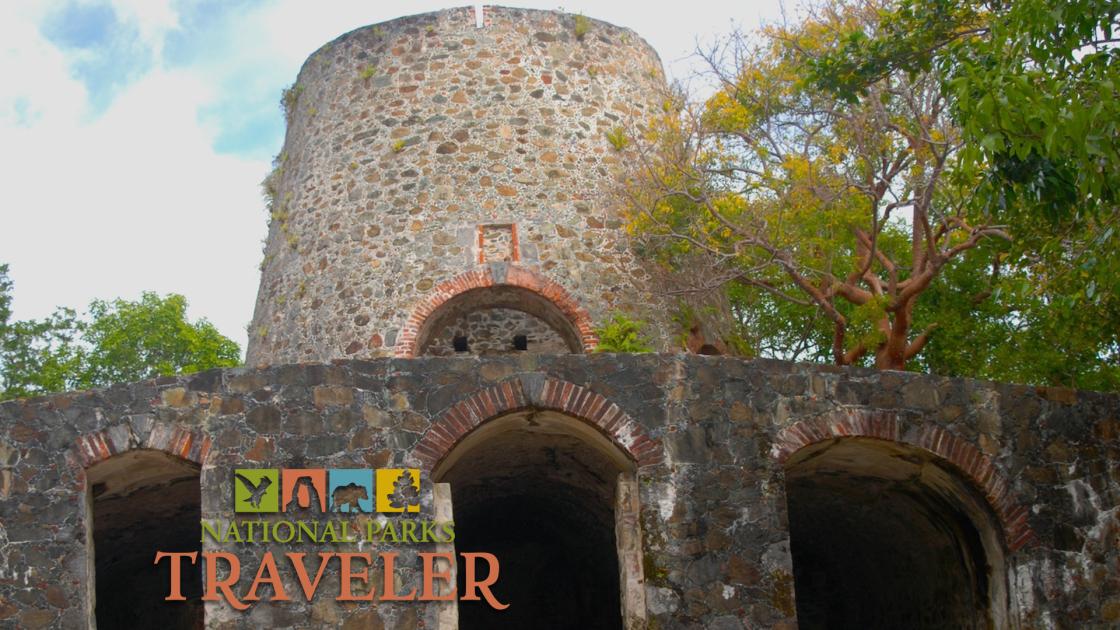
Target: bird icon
(256, 491)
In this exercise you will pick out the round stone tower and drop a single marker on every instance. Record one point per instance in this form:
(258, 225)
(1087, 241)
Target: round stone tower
(445, 188)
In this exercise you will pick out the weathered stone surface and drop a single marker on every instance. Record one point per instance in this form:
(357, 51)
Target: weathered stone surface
(458, 130)
(712, 502)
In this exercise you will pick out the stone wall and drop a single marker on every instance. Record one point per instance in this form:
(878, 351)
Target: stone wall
(423, 148)
(710, 438)
(494, 331)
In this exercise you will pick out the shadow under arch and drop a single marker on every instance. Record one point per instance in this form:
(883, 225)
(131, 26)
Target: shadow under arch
(515, 296)
(555, 500)
(885, 534)
(142, 501)
(491, 320)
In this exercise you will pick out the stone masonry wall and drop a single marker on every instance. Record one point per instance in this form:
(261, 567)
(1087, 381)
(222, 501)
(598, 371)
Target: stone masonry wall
(709, 436)
(492, 331)
(421, 148)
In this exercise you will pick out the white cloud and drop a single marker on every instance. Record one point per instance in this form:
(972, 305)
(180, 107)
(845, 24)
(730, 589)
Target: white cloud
(134, 200)
(36, 85)
(152, 18)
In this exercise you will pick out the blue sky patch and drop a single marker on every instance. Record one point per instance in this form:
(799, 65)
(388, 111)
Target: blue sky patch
(251, 133)
(200, 29)
(105, 54)
(81, 26)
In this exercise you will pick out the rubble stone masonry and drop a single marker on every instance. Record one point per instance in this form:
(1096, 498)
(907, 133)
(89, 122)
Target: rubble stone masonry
(424, 148)
(710, 438)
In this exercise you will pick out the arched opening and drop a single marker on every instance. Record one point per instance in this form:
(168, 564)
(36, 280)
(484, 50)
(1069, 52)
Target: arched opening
(885, 535)
(144, 501)
(538, 490)
(498, 320)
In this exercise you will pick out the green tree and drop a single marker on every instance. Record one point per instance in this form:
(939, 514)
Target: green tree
(852, 211)
(36, 356)
(119, 341)
(843, 210)
(129, 341)
(1032, 84)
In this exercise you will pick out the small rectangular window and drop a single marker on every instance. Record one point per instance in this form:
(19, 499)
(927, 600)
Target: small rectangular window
(460, 344)
(520, 342)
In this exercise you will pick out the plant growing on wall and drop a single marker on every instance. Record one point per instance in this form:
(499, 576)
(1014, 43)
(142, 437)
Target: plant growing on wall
(622, 334)
(618, 138)
(582, 26)
(289, 98)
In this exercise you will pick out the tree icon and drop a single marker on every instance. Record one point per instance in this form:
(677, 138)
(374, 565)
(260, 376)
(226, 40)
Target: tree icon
(406, 492)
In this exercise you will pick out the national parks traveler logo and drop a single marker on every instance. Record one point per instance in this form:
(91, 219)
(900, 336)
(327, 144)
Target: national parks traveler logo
(329, 507)
(342, 490)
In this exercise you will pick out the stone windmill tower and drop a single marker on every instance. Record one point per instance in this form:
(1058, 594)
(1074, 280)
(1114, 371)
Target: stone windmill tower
(443, 189)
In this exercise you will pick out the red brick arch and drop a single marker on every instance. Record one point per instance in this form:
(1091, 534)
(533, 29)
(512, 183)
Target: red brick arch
(92, 448)
(542, 393)
(977, 467)
(493, 276)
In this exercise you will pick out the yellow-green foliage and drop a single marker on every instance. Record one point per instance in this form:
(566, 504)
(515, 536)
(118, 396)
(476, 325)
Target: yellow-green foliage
(582, 26)
(398, 146)
(622, 334)
(618, 138)
(652, 572)
(864, 319)
(289, 98)
(685, 319)
(776, 179)
(367, 71)
(264, 262)
(270, 185)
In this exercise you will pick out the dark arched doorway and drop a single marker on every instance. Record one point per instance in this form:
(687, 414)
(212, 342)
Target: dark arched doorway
(498, 320)
(884, 535)
(144, 501)
(538, 490)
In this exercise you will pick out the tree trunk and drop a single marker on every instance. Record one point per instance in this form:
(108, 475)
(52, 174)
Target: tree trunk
(891, 354)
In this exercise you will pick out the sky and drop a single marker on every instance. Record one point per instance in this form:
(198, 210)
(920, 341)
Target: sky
(134, 134)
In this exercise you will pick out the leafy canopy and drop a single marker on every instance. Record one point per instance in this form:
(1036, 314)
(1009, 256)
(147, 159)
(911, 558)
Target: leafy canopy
(844, 207)
(119, 341)
(1033, 86)
(860, 174)
(622, 334)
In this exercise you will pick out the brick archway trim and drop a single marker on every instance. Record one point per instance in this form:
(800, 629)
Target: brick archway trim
(492, 275)
(536, 391)
(977, 467)
(96, 447)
